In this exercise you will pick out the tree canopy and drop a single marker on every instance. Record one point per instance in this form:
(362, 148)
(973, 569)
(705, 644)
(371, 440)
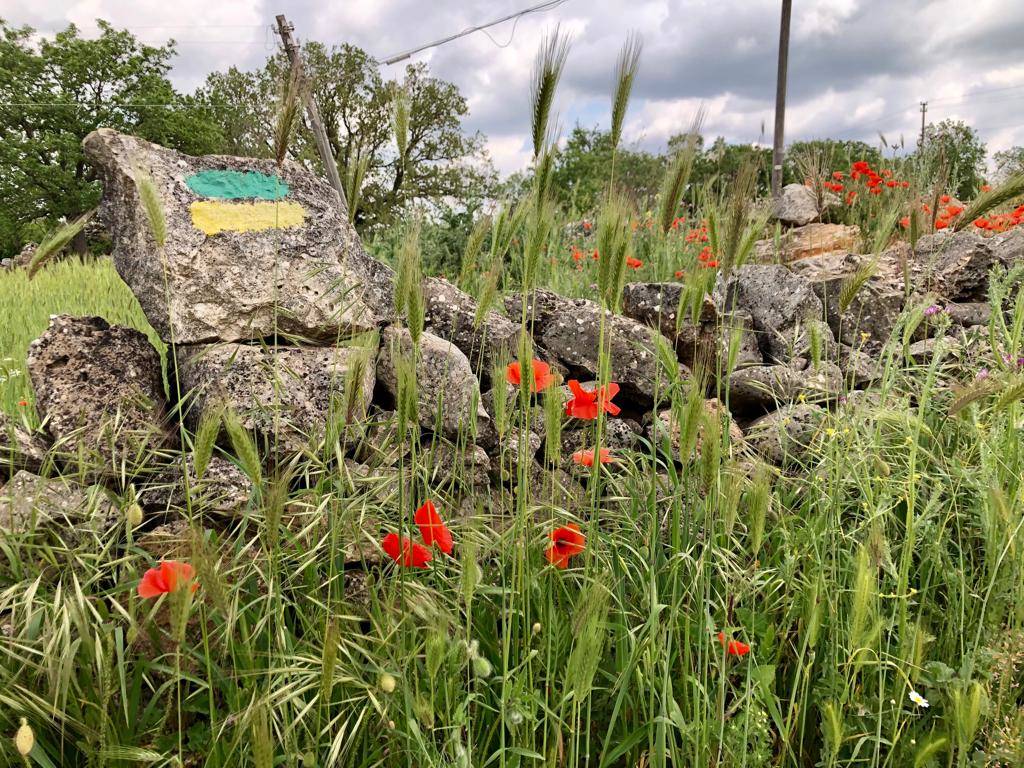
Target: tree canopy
(54, 93)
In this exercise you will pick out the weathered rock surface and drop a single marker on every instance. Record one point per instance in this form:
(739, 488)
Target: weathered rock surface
(797, 205)
(955, 266)
(783, 437)
(782, 306)
(764, 387)
(287, 395)
(29, 503)
(656, 305)
(665, 431)
(448, 392)
(223, 489)
(570, 329)
(809, 240)
(873, 309)
(451, 315)
(100, 390)
(309, 277)
(19, 449)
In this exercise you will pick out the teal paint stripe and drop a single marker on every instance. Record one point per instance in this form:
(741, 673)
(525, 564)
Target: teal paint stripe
(237, 185)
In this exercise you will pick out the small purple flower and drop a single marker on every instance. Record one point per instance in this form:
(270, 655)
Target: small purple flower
(933, 310)
(982, 374)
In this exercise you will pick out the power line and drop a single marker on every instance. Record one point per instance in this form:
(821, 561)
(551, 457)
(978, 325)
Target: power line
(540, 7)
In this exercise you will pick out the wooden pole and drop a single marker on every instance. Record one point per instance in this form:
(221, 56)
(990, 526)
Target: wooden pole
(316, 124)
(780, 99)
(924, 111)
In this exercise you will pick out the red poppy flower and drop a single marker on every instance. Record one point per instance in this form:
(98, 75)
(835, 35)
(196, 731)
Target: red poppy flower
(587, 226)
(733, 647)
(711, 264)
(861, 166)
(168, 577)
(905, 222)
(941, 223)
(837, 175)
(981, 223)
(586, 457)
(23, 403)
(586, 404)
(412, 554)
(954, 210)
(851, 196)
(904, 184)
(986, 188)
(542, 376)
(432, 527)
(890, 183)
(680, 274)
(595, 255)
(945, 199)
(577, 254)
(633, 263)
(875, 190)
(566, 543)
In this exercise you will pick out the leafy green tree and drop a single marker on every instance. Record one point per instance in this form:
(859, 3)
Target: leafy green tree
(954, 149)
(440, 160)
(583, 170)
(52, 94)
(717, 166)
(1008, 162)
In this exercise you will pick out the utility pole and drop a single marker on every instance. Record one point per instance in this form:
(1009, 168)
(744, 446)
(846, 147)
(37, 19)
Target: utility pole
(319, 134)
(924, 111)
(780, 99)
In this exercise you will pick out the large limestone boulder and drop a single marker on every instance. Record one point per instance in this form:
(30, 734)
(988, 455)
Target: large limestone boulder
(286, 395)
(570, 329)
(100, 391)
(782, 305)
(809, 240)
(797, 205)
(252, 249)
(448, 392)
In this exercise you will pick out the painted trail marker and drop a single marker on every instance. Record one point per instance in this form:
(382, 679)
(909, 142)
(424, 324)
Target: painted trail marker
(240, 201)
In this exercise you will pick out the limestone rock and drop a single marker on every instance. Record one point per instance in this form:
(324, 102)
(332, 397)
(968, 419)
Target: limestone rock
(448, 392)
(451, 315)
(656, 305)
(277, 256)
(223, 489)
(287, 395)
(570, 330)
(797, 205)
(872, 310)
(765, 387)
(29, 503)
(19, 449)
(784, 437)
(781, 305)
(666, 429)
(1008, 247)
(956, 266)
(969, 313)
(100, 390)
(810, 240)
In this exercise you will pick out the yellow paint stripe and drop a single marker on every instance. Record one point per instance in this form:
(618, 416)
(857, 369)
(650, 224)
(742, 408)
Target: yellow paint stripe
(213, 216)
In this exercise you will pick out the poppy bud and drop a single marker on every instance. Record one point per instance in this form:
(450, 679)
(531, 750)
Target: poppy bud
(24, 739)
(133, 515)
(387, 683)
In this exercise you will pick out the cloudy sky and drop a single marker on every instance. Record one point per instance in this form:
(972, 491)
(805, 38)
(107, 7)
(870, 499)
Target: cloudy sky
(857, 67)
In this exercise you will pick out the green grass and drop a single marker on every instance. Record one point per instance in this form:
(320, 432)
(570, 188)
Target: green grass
(70, 287)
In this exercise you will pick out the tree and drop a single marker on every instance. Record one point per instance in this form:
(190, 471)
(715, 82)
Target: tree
(583, 170)
(440, 160)
(52, 95)
(717, 166)
(952, 148)
(1008, 162)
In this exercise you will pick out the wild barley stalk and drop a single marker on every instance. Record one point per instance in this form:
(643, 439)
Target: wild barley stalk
(625, 73)
(56, 241)
(547, 71)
